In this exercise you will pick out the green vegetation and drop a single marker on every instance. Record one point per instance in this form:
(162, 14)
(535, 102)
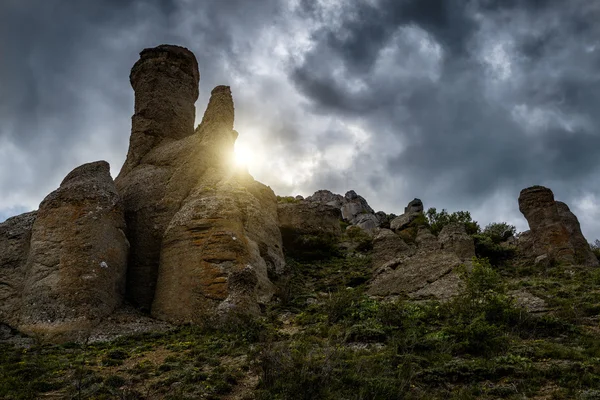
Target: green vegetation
(438, 220)
(327, 339)
(596, 248)
(287, 199)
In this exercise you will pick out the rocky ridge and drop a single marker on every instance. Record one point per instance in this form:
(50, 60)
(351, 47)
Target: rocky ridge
(186, 237)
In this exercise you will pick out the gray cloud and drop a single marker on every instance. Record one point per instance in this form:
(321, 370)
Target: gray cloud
(459, 103)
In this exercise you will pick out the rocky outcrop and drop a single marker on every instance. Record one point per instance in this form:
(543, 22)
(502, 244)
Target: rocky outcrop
(195, 224)
(309, 218)
(15, 234)
(414, 206)
(412, 211)
(165, 80)
(387, 246)
(327, 197)
(354, 209)
(583, 253)
(455, 239)
(427, 270)
(554, 230)
(308, 228)
(75, 269)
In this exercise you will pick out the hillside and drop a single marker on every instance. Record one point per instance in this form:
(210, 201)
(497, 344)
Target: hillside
(184, 278)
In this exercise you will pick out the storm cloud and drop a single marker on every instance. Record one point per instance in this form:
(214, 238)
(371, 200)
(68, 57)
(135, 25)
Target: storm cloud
(459, 103)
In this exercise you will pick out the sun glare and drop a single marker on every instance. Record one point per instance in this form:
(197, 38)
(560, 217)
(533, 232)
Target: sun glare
(243, 155)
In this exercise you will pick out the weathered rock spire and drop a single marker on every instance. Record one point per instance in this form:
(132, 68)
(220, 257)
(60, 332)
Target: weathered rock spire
(165, 80)
(554, 228)
(216, 128)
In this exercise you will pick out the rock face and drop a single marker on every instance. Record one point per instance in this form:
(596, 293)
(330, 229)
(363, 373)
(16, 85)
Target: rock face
(165, 80)
(309, 218)
(412, 211)
(308, 228)
(422, 271)
(204, 237)
(455, 239)
(77, 257)
(15, 234)
(554, 230)
(354, 208)
(415, 206)
(583, 253)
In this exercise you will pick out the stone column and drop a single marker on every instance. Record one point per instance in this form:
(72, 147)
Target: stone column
(165, 80)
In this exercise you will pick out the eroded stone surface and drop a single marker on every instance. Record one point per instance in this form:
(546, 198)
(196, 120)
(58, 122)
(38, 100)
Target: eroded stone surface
(77, 258)
(195, 223)
(427, 271)
(554, 229)
(15, 234)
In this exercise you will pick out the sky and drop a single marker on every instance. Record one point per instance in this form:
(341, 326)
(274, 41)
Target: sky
(459, 103)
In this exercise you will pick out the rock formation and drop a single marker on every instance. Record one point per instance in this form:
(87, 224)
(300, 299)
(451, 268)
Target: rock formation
(412, 211)
(186, 236)
(75, 269)
(165, 80)
(424, 270)
(554, 230)
(15, 234)
(300, 218)
(354, 208)
(196, 226)
(583, 253)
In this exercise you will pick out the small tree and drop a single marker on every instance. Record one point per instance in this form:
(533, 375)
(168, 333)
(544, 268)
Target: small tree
(499, 231)
(596, 248)
(438, 220)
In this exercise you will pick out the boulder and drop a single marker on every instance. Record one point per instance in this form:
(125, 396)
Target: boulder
(415, 206)
(554, 229)
(423, 275)
(403, 221)
(355, 207)
(367, 222)
(412, 211)
(15, 234)
(77, 257)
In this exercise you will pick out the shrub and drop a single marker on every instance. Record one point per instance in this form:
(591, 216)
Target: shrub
(596, 248)
(485, 247)
(438, 220)
(360, 238)
(499, 231)
(287, 199)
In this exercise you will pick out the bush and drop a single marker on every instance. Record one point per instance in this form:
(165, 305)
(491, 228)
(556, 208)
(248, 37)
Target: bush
(499, 231)
(481, 312)
(596, 248)
(485, 247)
(438, 220)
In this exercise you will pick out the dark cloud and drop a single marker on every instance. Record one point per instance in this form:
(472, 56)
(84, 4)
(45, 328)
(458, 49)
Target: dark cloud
(460, 103)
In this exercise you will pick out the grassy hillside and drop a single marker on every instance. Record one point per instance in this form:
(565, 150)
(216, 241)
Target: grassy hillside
(326, 339)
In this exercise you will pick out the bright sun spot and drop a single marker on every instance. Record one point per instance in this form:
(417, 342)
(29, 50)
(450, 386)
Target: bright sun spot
(243, 155)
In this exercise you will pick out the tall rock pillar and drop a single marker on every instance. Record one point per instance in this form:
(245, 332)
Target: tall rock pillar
(165, 80)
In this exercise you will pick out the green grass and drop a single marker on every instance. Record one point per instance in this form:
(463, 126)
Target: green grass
(326, 339)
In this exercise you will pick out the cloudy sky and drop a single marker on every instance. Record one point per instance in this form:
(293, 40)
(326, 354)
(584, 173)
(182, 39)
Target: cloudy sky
(459, 103)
